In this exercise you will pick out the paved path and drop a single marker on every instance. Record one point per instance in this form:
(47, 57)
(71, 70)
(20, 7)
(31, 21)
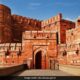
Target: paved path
(42, 73)
(75, 70)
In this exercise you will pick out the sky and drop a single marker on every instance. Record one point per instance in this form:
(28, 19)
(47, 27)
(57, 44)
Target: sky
(44, 9)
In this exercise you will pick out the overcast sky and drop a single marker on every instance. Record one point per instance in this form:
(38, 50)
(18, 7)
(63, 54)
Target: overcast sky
(44, 9)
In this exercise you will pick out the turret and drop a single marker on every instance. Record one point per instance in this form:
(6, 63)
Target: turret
(5, 24)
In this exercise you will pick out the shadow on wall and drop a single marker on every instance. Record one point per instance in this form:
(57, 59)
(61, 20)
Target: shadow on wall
(26, 66)
(9, 71)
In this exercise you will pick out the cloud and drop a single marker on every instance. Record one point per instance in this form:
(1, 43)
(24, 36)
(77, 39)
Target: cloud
(65, 3)
(34, 5)
(70, 19)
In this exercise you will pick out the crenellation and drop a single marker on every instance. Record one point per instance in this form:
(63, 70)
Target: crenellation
(51, 20)
(38, 35)
(10, 46)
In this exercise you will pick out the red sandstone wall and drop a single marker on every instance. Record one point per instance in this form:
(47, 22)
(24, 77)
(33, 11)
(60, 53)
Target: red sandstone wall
(36, 41)
(22, 24)
(78, 22)
(71, 58)
(65, 25)
(12, 26)
(72, 48)
(52, 23)
(5, 24)
(59, 25)
(13, 57)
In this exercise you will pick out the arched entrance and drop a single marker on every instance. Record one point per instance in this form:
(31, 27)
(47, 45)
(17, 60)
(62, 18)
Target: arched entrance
(38, 58)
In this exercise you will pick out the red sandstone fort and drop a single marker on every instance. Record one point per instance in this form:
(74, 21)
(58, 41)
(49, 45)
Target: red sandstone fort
(37, 43)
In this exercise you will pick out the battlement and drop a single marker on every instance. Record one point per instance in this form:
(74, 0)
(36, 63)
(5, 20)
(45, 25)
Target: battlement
(39, 35)
(3, 7)
(78, 22)
(51, 20)
(10, 47)
(72, 36)
(26, 20)
(64, 20)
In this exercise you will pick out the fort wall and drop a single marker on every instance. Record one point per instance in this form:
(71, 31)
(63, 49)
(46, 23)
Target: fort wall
(35, 41)
(5, 24)
(58, 24)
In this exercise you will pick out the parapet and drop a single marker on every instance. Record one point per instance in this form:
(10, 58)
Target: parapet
(26, 20)
(3, 7)
(10, 47)
(51, 20)
(78, 22)
(5, 14)
(39, 35)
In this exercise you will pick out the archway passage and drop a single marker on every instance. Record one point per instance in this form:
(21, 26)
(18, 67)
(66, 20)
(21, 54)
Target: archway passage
(38, 59)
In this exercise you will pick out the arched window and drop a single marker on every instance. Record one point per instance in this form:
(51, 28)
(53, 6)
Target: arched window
(47, 36)
(72, 33)
(34, 36)
(64, 53)
(7, 52)
(19, 52)
(77, 51)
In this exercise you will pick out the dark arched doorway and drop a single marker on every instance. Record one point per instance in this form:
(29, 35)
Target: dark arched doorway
(38, 58)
